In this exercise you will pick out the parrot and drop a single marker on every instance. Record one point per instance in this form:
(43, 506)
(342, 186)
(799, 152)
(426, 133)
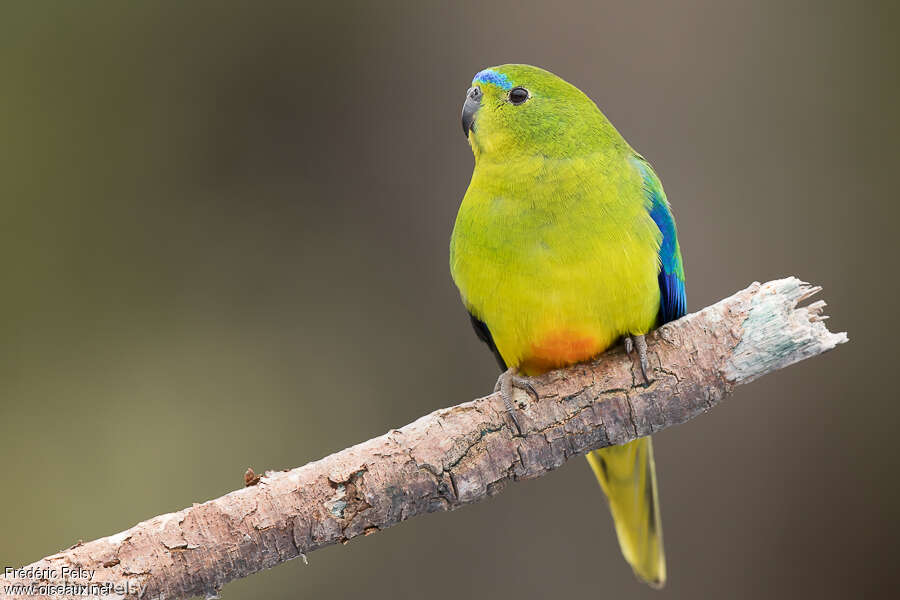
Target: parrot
(564, 244)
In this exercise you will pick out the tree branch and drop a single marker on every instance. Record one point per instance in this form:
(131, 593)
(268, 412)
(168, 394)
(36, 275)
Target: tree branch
(453, 456)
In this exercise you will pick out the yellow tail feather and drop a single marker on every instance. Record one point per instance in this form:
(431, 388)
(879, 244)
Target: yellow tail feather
(628, 476)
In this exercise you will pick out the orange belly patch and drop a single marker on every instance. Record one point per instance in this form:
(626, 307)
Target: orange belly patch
(559, 349)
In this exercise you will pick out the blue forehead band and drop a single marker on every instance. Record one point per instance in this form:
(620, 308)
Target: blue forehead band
(491, 76)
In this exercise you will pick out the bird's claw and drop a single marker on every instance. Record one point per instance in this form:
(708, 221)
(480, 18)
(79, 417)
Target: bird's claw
(508, 381)
(639, 342)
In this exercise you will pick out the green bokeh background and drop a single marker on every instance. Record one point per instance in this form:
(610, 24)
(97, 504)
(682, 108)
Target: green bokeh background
(223, 243)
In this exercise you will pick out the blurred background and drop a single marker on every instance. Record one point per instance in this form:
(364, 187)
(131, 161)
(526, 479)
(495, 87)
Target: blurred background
(223, 242)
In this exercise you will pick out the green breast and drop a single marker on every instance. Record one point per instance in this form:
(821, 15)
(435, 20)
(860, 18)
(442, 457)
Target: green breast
(548, 252)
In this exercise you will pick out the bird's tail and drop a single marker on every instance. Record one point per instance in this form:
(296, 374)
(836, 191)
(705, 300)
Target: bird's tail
(627, 475)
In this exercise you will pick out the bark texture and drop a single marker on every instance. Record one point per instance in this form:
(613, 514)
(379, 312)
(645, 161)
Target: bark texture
(454, 456)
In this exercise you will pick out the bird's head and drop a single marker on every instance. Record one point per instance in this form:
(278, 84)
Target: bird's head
(520, 110)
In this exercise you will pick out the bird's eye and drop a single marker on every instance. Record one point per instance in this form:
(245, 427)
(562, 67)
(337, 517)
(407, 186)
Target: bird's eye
(518, 95)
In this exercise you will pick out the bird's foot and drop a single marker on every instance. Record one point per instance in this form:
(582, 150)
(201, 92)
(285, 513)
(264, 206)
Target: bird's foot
(639, 342)
(507, 382)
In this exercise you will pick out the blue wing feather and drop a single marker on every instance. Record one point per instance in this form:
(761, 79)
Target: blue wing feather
(673, 296)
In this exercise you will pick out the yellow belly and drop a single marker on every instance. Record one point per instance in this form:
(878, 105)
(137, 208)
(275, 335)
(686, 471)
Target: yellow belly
(550, 315)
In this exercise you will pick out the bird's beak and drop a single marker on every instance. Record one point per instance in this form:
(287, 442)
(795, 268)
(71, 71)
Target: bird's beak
(470, 107)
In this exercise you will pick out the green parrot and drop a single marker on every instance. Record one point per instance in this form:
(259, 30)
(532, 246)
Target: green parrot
(563, 245)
